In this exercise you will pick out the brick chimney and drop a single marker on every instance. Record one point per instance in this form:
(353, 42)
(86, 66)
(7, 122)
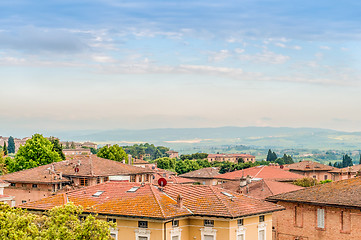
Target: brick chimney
(180, 200)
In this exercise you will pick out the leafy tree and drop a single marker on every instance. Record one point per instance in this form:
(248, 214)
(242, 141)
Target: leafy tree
(113, 152)
(306, 182)
(57, 147)
(11, 145)
(37, 151)
(166, 163)
(194, 156)
(5, 149)
(330, 164)
(240, 160)
(62, 222)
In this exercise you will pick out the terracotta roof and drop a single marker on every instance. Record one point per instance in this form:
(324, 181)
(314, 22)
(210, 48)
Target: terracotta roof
(341, 193)
(264, 172)
(309, 166)
(87, 165)
(150, 202)
(352, 169)
(209, 172)
(140, 161)
(261, 189)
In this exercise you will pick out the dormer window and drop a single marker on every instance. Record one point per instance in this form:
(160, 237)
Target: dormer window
(209, 223)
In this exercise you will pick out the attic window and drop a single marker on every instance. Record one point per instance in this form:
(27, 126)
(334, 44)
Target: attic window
(133, 189)
(228, 195)
(97, 194)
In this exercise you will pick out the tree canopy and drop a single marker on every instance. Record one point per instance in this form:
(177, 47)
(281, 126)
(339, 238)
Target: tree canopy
(57, 147)
(113, 153)
(62, 222)
(146, 150)
(271, 156)
(37, 151)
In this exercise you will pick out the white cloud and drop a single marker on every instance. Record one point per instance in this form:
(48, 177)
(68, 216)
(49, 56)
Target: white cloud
(325, 47)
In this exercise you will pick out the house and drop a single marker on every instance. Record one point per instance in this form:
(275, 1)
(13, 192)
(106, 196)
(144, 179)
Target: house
(325, 211)
(261, 172)
(345, 173)
(230, 157)
(142, 163)
(77, 171)
(172, 154)
(175, 212)
(205, 176)
(77, 151)
(3, 197)
(311, 169)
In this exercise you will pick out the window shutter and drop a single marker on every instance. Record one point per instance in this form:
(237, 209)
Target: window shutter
(321, 218)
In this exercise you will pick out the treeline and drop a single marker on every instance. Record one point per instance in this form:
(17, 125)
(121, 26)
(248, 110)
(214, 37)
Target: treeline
(194, 156)
(148, 151)
(184, 166)
(346, 162)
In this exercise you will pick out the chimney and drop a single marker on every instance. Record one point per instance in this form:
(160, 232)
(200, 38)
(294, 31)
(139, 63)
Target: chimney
(248, 179)
(60, 175)
(129, 159)
(243, 182)
(65, 198)
(180, 200)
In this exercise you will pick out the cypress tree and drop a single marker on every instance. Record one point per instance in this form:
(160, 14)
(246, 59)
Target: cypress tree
(11, 145)
(5, 149)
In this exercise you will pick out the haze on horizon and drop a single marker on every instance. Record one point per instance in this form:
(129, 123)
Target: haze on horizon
(106, 64)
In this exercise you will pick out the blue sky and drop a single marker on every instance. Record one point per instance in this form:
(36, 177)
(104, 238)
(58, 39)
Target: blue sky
(109, 64)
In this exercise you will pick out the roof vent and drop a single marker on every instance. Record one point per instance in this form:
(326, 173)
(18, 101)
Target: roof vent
(97, 194)
(133, 189)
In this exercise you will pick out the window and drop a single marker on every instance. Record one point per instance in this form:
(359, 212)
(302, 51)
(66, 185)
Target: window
(113, 220)
(175, 238)
(314, 176)
(175, 223)
(133, 189)
(23, 201)
(35, 185)
(106, 179)
(209, 223)
(240, 236)
(261, 235)
(140, 178)
(345, 221)
(147, 178)
(98, 180)
(325, 177)
(142, 224)
(208, 237)
(240, 222)
(97, 194)
(320, 218)
(12, 184)
(142, 238)
(261, 218)
(298, 216)
(113, 235)
(83, 181)
(24, 185)
(132, 178)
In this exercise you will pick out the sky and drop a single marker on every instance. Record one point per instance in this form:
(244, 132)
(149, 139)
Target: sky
(96, 65)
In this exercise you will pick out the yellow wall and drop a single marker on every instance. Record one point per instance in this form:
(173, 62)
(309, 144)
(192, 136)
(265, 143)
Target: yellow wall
(226, 229)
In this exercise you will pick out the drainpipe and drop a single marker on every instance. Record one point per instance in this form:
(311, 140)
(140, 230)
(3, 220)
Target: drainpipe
(165, 229)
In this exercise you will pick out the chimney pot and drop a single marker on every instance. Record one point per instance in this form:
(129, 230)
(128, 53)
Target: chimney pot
(180, 200)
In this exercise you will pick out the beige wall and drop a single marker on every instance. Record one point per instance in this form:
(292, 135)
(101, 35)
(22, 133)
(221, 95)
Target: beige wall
(25, 192)
(320, 175)
(191, 228)
(286, 229)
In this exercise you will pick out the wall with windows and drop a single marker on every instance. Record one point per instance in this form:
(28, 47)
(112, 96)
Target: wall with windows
(310, 222)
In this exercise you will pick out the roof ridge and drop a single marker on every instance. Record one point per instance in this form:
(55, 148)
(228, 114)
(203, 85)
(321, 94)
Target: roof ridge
(157, 200)
(259, 171)
(265, 184)
(221, 200)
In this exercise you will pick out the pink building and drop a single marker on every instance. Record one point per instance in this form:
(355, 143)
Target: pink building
(234, 157)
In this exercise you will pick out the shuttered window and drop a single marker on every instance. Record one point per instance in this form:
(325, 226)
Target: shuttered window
(208, 237)
(261, 235)
(320, 218)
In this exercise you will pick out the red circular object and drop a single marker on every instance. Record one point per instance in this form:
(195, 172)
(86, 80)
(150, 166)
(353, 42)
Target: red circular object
(162, 182)
(76, 169)
(281, 166)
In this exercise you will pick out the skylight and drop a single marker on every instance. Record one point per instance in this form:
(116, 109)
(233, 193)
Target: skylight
(97, 194)
(133, 189)
(228, 195)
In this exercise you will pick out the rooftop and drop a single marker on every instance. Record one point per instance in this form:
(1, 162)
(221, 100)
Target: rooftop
(351, 169)
(86, 165)
(209, 172)
(345, 193)
(309, 166)
(148, 201)
(265, 172)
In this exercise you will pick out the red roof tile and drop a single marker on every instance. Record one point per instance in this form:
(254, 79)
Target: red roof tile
(209, 172)
(264, 172)
(150, 202)
(309, 166)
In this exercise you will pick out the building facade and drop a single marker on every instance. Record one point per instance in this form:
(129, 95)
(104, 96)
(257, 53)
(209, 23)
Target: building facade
(230, 157)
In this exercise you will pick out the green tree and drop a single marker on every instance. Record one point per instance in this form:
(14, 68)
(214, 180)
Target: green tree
(72, 145)
(57, 147)
(271, 156)
(5, 149)
(166, 163)
(113, 152)
(306, 182)
(37, 151)
(346, 161)
(11, 145)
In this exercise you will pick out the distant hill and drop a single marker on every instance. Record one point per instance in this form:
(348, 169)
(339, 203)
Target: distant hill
(282, 137)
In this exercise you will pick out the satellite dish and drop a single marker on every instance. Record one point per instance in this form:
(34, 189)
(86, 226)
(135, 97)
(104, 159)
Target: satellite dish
(281, 166)
(162, 182)
(76, 169)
